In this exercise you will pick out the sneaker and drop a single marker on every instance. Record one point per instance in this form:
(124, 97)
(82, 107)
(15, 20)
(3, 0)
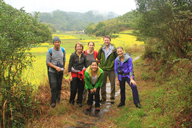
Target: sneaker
(89, 107)
(138, 105)
(97, 109)
(120, 105)
(53, 105)
(80, 104)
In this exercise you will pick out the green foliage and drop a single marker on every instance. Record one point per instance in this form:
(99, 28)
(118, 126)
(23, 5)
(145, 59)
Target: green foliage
(19, 32)
(73, 21)
(166, 22)
(110, 26)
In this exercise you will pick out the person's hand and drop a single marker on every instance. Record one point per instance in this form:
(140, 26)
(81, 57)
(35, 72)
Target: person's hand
(58, 69)
(70, 78)
(117, 82)
(92, 90)
(133, 82)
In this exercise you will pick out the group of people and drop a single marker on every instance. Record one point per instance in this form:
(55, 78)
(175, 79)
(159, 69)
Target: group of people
(88, 71)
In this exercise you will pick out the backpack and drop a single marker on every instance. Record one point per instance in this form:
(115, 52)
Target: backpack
(50, 52)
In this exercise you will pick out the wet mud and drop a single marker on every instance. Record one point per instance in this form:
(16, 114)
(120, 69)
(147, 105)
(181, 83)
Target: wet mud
(98, 115)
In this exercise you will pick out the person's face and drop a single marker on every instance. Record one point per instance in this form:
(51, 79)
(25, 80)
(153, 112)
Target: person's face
(120, 52)
(91, 46)
(57, 44)
(78, 48)
(107, 41)
(94, 66)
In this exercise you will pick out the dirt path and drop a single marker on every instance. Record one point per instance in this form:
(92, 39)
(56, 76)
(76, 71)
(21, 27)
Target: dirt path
(98, 116)
(66, 116)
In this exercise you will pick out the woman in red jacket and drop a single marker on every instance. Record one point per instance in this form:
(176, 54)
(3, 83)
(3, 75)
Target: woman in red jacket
(91, 55)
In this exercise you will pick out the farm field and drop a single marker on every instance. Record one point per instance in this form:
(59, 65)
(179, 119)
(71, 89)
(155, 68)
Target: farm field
(37, 74)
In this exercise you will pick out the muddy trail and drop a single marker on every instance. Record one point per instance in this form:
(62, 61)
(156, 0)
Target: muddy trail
(66, 116)
(98, 115)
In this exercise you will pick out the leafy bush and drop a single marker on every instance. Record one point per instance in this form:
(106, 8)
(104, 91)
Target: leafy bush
(18, 34)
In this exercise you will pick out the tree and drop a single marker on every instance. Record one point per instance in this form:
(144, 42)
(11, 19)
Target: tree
(19, 32)
(167, 22)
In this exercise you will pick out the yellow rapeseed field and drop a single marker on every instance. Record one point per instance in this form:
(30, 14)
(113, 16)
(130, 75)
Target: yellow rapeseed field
(38, 73)
(64, 36)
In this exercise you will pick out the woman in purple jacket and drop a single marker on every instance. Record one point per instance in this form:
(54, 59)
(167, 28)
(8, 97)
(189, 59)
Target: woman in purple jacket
(124, 72)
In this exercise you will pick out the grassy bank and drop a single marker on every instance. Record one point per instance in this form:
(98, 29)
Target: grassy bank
(166, 97)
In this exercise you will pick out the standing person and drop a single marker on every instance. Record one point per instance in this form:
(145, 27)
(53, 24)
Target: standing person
(93, 82)
(55, 59)
(77, 66)
(91, 55)
(124, 72)
(107, 55)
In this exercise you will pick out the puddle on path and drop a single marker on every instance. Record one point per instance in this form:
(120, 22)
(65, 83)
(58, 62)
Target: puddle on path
(98, 115)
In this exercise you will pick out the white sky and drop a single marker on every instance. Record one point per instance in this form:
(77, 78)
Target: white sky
(118, 6)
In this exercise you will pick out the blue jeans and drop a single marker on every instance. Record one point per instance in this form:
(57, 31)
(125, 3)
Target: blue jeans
(134, 91)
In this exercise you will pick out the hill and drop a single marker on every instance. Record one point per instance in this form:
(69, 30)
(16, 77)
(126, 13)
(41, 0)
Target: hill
(110, 26)
(72, 21)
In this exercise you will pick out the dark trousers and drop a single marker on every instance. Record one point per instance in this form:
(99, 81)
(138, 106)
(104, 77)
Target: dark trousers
(97, 97)
(134, 90)
(55, 80)
(76, 84)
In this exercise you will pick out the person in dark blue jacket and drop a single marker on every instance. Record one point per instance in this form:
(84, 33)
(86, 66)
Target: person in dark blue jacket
(124, 72)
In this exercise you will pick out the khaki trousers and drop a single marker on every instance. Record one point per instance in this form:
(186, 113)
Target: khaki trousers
(111, 75)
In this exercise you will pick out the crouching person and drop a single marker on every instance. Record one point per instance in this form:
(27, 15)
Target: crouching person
(93, 82)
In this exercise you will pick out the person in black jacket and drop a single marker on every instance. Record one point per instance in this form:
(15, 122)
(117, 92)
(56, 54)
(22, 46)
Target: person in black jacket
(77, 67)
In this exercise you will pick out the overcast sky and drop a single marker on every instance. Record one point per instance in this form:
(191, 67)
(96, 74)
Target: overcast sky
(118, 6)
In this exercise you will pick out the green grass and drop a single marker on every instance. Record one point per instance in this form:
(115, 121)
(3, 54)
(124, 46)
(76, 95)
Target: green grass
(163, 99)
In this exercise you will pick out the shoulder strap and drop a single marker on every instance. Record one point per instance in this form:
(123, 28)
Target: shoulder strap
(95, 54)
(85, 52)
(50, 51)
(63, 50)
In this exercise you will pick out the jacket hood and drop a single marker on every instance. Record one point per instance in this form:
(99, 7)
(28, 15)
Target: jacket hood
(126, 57)
(90, 71)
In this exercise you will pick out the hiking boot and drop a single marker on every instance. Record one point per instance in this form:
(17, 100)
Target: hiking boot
(89, 107)
(97, 109)
(138, 105)
(120, 105)
(53, 105)
(80, 104)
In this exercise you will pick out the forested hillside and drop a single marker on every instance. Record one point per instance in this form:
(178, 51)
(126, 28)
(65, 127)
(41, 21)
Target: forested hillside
(72, 21)
(108, 27)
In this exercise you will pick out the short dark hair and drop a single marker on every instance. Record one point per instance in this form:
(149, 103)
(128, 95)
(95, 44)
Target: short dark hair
(91, 42)
(94, 61)
(107, 36)
(120, 47)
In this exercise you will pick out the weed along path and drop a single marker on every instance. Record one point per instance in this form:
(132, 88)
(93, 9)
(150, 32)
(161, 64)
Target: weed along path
(93, 117)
